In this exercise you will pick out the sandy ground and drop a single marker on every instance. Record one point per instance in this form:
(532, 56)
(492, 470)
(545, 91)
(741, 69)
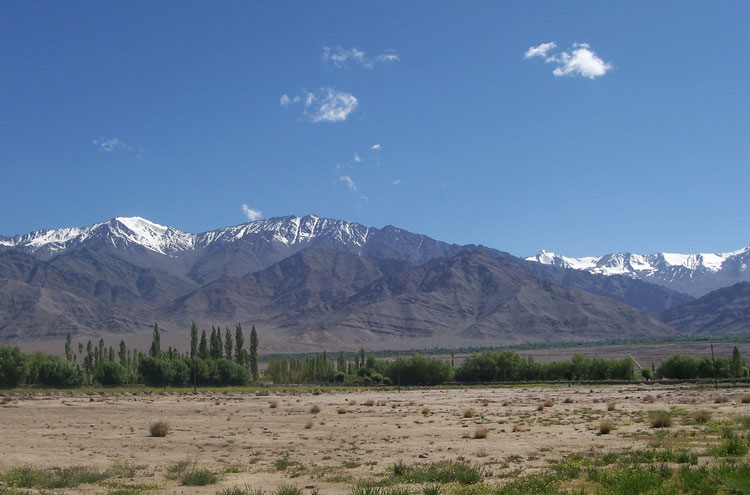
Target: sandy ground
(242, 436)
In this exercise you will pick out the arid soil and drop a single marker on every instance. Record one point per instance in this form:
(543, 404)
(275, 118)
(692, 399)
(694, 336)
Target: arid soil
(248, 440)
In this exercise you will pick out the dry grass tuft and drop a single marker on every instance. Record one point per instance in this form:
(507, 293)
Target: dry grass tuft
(308, 425)
(426, 411)
(315, 409)
(340, 410)
(660, 419)
(273, 404)
(540, 407)
(548, 403)
(468, 414)
(159, 429)
(480, 433)
(701, 417)
(611, 405)
(516, 429)
(352, 402)
(605, 426)
(368, 402)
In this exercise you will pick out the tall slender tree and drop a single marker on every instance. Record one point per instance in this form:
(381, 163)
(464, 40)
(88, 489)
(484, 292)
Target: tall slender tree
(155, 350)
(254, 354)
(68, 350)
(203, 347)
(239, 344)
(193, 341)
(228, 350)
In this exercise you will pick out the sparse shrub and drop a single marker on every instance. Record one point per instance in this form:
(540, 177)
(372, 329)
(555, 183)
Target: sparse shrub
(426, 411)
(648, 398)
(273, 404)
(367, 488)
(540, 407)
(288, 490)
(720, 399)
(568, 400)
(440, 472)
(282, 463)
(660, 419)
(340, 410)
(611, 405)
(399, 468)
(745, 399)
(308, 425)
(605, 426)
(701, 417)
(368, 402)
(730, 447)
(468, 414)
(548, 403)
(199, 477)
(315, 409)
(352, 402)
(239, 490)
(516, 428)
(480, 433)
(431, 489)
(176, 470)
(159, 429)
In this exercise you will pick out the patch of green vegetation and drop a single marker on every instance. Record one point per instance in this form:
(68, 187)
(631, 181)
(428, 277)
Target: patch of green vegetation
(240, 490)
(198, 477)
(288, 490)
(438, 472)
(50, 478)
(175, 471)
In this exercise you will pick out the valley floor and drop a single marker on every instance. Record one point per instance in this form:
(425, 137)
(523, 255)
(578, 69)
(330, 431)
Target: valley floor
(278, 440)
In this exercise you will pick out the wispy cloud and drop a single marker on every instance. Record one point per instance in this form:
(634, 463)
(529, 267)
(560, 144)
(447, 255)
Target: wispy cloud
(349, 182)
(111, 144)
(396, 182)
(375, 147)
(357, 158)
(540, 51)
(581, 60)
(341, 57)
(251, 214)
(327, 105)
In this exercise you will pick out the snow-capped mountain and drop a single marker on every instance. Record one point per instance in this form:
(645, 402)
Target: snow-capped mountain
(696, 274)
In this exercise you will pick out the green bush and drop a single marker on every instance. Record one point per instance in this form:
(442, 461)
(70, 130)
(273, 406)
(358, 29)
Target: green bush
(58, 373)
(111, 374)
(14, 367)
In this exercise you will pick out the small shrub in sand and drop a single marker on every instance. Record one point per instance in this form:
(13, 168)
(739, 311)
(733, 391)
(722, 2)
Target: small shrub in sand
(288, 490)
(540, 407)
(352, 402)
(701, 416)
(273, 404)
(425, 411)
(605, 426)
(611, 405)
(308, 425)
(199, 477)
(341, 410)
(159, 429)
(568, 400)
(468, 414)
(660, 419)
(368, 402)
(315, 409)
(745, 399)
(480, 433)
(548, 403)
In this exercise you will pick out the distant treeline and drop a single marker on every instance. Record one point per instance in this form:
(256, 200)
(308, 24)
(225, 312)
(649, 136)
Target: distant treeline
(222, 360)
(216, 360)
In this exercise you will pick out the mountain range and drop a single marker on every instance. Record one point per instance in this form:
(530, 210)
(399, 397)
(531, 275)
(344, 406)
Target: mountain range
(314, 283)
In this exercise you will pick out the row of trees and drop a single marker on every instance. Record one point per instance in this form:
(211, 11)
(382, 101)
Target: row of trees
(218, 360)
(684, 367)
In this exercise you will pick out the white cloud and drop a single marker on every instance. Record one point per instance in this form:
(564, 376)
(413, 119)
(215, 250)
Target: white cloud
(357, 158)
(349, 182)
(111, 144)
(375, 147)
(341, 57)
(540, 51)
(580, 61)
(327, 105)
(396, 182)
(251, 214)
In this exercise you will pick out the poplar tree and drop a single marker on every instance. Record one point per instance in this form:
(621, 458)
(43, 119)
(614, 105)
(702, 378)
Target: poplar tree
(123, 354)
(203, 347)
(193, 341)
(228, 344)
(239, 344)
(155, 351)
(68, 351)
(254, 354)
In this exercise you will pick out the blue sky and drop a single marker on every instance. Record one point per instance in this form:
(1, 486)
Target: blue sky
(632, 133)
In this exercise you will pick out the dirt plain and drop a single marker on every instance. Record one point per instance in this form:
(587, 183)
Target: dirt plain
(270, 441)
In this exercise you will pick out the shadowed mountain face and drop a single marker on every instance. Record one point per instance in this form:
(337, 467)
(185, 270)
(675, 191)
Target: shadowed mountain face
(723, 311)
(309, 282)
(318, 298)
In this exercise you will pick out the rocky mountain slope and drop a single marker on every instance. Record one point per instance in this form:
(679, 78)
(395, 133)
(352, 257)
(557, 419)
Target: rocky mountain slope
(723, 311)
